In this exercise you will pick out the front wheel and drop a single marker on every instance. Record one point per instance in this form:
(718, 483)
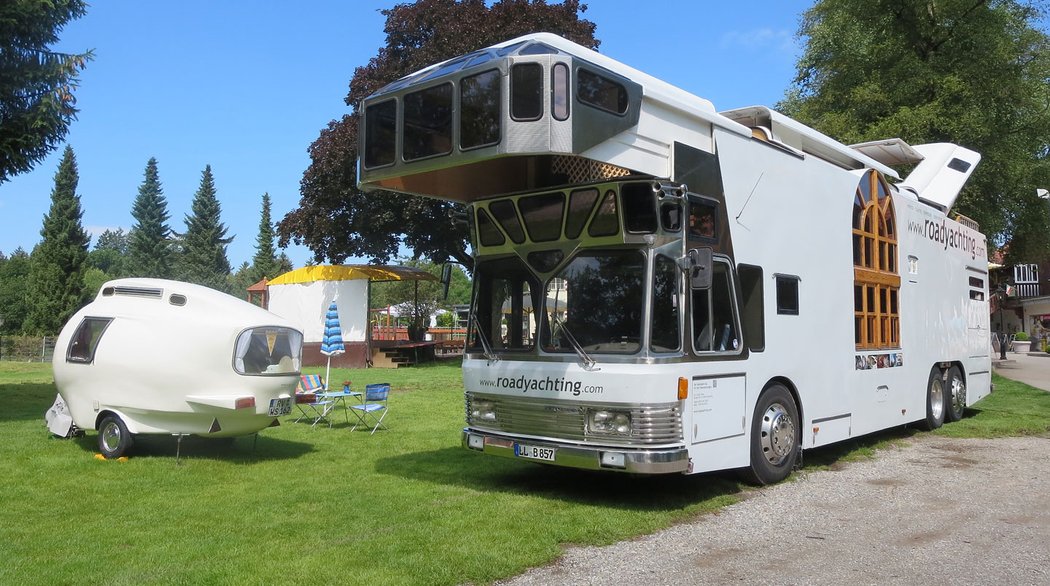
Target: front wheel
(114, 439)
(956, 391)
(935, 402)
(775, 437)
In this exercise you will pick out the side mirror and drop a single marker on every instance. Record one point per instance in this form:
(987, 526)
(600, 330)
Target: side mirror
(699, 267)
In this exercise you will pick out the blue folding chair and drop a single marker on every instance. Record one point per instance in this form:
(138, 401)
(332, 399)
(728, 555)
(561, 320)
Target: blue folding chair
(373, 409)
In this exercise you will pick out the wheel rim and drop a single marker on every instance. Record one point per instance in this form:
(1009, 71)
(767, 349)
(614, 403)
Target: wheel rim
(778, 434)
(958, 394)
(110, 436)
(936, 398)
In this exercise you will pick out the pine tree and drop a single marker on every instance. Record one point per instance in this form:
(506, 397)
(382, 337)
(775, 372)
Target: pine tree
(149, 243)
(58, 262)
(203, 257)
(265, 264)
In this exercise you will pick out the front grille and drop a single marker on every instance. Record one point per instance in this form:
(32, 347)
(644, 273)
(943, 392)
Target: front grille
(650, 424)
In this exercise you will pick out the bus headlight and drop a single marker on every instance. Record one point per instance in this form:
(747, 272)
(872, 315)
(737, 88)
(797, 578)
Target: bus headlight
(608, 422)
(483, 411)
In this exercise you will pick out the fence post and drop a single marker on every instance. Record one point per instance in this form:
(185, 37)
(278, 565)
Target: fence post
(43, 347)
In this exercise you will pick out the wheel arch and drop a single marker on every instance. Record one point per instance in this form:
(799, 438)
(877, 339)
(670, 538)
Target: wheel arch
(792, 389)
(128, 423)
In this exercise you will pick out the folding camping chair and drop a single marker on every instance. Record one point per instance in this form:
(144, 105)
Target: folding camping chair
(310, 400)
(373, 405)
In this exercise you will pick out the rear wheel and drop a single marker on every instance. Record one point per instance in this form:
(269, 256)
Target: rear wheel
(935, 401)
(955, 388)
(114, 439)
(774, 437)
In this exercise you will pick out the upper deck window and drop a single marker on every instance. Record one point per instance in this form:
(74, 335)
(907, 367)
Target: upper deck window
(526, 91)
(560, 91)
(639, 207)
(428, 122)
(380, 134)
(606, 220)
(602, 93)
(543, 214)
(581, 202)
(703, 222)
(488, 233)
(504, 212)
(479, 119)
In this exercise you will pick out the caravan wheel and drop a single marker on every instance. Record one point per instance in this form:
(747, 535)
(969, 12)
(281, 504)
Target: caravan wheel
(956, 390)
(774, 437)
(935, 401)
(113, 437)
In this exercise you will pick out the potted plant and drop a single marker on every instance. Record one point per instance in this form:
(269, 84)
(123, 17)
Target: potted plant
(1022, 343)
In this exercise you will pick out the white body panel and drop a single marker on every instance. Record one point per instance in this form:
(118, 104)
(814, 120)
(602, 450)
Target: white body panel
(167, 368)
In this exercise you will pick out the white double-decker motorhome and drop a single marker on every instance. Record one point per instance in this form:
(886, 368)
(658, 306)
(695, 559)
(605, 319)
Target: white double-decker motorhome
(664, 288)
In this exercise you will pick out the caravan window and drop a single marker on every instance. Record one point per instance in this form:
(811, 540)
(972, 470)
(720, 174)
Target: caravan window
(268, 350)
(85, 340)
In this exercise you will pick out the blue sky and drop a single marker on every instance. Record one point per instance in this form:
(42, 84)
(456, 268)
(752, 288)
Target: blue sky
(247, 86)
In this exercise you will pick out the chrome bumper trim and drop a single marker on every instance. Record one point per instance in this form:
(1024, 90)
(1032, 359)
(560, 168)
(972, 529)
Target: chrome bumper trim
(636, 460)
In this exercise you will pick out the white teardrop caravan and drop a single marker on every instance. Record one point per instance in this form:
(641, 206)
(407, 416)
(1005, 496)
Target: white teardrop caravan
(152, 356)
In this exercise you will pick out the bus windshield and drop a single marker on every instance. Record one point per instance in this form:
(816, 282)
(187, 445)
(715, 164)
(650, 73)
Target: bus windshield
(598, 300)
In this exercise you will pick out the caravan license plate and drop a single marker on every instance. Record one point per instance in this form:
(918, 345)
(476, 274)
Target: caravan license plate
(280, 407)
(534, 452)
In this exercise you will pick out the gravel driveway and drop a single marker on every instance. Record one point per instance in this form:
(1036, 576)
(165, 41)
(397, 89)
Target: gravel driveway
(936, 510)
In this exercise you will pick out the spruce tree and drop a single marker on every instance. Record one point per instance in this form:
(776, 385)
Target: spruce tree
(265, 264)
(203, 257)
(149, 243)
(58, 262)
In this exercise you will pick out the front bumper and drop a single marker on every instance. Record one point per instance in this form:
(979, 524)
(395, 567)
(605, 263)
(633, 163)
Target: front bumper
(635, 460)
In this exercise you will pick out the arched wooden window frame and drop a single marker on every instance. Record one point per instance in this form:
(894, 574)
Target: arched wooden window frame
(875, 271)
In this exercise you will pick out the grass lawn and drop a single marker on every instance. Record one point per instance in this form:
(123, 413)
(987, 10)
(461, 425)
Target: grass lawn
(327, 505)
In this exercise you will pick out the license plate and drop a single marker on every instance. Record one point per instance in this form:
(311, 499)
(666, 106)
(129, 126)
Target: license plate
(534, 452)
(280, 407)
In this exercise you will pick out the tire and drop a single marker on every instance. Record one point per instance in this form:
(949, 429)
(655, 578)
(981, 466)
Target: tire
(114, 439)
(955, 388)
(775, 437)
(936, 403)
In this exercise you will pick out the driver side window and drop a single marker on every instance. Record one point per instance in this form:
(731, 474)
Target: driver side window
(713, 314)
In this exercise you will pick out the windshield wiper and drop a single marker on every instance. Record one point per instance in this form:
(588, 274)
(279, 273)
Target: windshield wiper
(486, 349)
(585, 358)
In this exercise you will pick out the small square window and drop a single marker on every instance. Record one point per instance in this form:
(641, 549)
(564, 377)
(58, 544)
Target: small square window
(787, 294)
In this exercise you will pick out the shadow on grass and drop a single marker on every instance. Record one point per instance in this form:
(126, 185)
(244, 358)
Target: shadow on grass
(238, 450)
(460, 467)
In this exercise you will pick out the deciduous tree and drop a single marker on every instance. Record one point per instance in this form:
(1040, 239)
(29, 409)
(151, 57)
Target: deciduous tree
(971, 72)
(14, 295)
(335, 219)
(36, 84)
(57, 264)
(110, 253)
